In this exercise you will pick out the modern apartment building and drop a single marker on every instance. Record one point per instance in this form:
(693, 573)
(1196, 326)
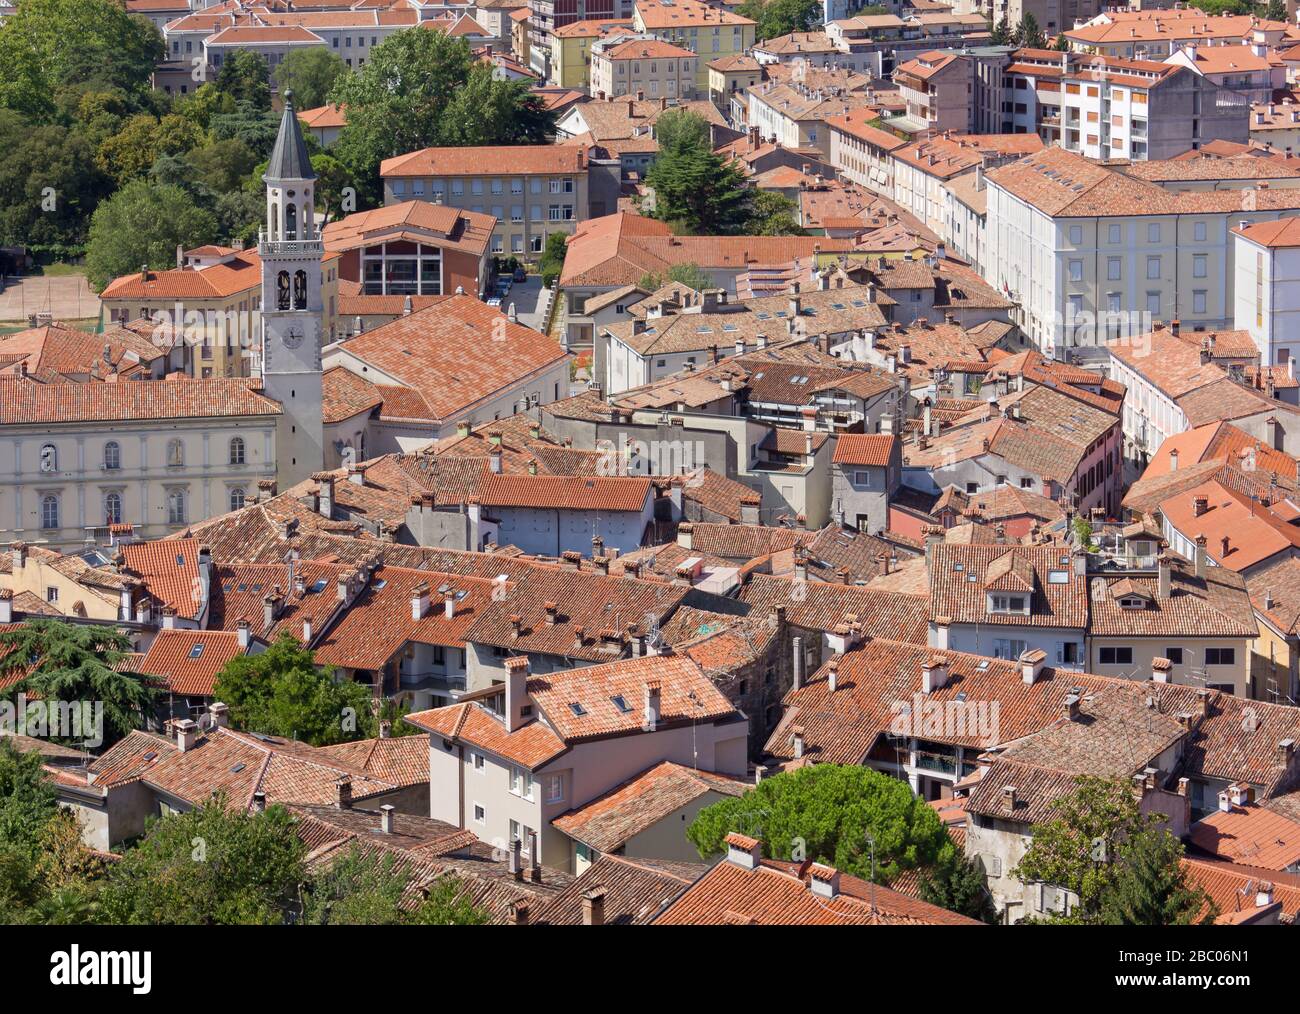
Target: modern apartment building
(531, 190)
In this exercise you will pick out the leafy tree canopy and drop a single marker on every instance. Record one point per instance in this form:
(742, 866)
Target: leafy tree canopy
(211, 866)
(696, 188)
(781, 17)
(49, 45)
(831, 813)
(688, 274)
(1120, 864)
(420, 89)
(281, 692)
(75, 664)
(142, 224)
(773, 214)
(310, 73)
(366, 888)
(245, 77)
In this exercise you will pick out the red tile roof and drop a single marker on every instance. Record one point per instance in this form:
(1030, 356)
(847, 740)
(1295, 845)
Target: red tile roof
(25, 402)
(189, 660)
(865, 449)
(522, 159)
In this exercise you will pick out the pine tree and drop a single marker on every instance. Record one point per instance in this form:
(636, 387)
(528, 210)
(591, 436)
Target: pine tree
(1002, 34)
(1152, 889)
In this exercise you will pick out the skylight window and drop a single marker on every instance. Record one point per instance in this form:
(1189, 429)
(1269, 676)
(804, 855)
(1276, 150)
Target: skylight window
(1058, 577)
(197, 650)
(620, 702)
(577, 709)
(318, 586)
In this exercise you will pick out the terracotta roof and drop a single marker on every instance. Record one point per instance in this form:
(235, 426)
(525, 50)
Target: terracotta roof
(439, 353)
(818, 605)
(1240, 533)
(635, 890)
(418, 221)
(960, 575)
(1235, 889)
(231, 277)
(169, 571)
(25, 402)
(189, 660)
(522, 159)
(780, 894)
(565, 492)
(680, 14)
(611, 820)
(1252, 835)
(865, 449)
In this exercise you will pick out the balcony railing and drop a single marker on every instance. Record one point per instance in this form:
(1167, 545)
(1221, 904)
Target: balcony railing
(287, 247)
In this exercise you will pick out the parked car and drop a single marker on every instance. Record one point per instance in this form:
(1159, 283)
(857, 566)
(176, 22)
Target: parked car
(521, 275)
(495, 301)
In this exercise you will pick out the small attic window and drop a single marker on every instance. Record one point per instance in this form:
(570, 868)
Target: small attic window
(1058, 577)
(196, 650)
(620, 702)
(577, 709)
(1132, 603)
(318, 586)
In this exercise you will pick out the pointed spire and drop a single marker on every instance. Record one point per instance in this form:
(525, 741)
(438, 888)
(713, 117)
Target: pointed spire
(289, 158)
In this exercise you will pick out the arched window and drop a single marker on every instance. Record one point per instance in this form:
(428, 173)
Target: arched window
(175, 453)
(290, 221)
(282, 290)
(275, 221)
(112, 455)
(300, 290)
(237, 498)
(236, 450)
(49, 458)
(50, 511)
(113, 508)
(176, 507)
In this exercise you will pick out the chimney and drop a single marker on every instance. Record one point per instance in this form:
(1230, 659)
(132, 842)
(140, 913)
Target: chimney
(519, 913)
(1164, 579)
(1173, 460)
(593, 907)
(325, 482)
(187, 733)
(168, 618)
(1263, 894)
(449, 604)
(1031, 665)
(494, 460)
(259, 801)
(18, 556)
(420, 601)
(343, 793)
(219, 713)
(1201, 542)
(517, 670)
(824, 881)
(1160, 668)
(385, 729)
(1072, 707)
(6, 605)
(516, 863)
(1009, 796)
(832, 674)
(653, 698)
(796, 741)
(934, 673)
(743, 851)
(552, 610)
(1200, 505)
(386, 818)
(243, 634)
(798, 661)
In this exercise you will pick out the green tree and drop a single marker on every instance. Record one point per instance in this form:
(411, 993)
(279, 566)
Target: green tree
(698, 190)
(688, 273)
(831, 813)
(129, 153)
(1112, 857)
(211, 866)
(281, 692)
(28, 800)
(223, 166)
(1001, 34)
(773, 214)
(366, 888)
(1276, 11)
(309, 73)
(959, 885)
(419, 89)
(200, 105)
(775, 18)
(49, 45)
(73, 664)
(245, 77)
(142, 224)
(552, 261)
(1028, 34)
(49, 184)
(678, 127)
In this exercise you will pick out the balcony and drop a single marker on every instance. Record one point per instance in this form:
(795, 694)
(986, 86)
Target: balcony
(287, 247)
(945, 764)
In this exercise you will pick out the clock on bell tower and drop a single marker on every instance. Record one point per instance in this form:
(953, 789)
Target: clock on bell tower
(292, 306)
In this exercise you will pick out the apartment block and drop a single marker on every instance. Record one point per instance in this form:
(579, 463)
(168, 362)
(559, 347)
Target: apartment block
(531, 190)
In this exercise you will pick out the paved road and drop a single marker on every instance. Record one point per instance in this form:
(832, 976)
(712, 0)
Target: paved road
(525, 296)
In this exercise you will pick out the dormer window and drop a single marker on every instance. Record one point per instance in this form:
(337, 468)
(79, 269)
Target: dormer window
(1008, 604)
(1132, 603)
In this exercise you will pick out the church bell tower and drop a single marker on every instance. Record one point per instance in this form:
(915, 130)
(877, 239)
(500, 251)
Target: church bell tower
(292, 307)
